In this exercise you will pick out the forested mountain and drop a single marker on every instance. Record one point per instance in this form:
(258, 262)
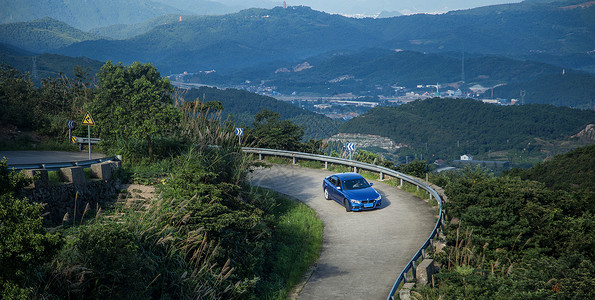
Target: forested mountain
(255, 36)
(42, 35)
(242, 106)
(124, 31)
(574, 170)
(84, 14)
(42, 66)
(448, 128)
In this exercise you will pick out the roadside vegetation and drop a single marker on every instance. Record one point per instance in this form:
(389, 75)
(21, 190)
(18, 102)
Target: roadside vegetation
(207, 235)
(520, 235)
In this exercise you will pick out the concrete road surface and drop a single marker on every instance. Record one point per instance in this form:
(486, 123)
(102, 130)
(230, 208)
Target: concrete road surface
(37, 157)
(362, 252)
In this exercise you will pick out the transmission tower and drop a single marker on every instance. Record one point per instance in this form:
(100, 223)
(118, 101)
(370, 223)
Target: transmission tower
(34, 68)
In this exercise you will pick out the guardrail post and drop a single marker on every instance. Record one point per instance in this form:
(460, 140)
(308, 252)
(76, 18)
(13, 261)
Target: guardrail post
(294, 160)
(326, 165)
(102, 170)
(413, 273)
(42, 177)
(401, 182)
(259, 156)
(354, 169)
(417, 187)
(381, 176)
(75, 175)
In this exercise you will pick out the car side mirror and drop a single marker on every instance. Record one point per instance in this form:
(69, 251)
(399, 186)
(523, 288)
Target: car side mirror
(371, 183)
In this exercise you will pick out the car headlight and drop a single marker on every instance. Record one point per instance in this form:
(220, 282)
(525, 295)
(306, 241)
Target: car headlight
(354, 201)
(379, 198)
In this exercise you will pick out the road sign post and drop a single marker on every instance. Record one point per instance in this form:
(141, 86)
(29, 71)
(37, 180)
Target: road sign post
(70, 126)
(351, 148)
(88, 120)
(239, 133)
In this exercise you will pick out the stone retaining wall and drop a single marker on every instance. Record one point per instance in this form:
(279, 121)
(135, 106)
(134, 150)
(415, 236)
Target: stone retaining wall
(67, 202)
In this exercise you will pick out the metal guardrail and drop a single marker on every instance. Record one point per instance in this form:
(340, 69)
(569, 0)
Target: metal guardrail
(58, 165)
(382, 171)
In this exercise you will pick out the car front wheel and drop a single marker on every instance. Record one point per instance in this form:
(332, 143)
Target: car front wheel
(347, 207)
(326, 196)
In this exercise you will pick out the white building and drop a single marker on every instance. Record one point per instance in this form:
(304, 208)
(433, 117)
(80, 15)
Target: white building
(466, 157)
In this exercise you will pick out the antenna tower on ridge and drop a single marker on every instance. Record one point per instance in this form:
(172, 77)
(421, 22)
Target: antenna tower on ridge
(463, 68)
(284, 4)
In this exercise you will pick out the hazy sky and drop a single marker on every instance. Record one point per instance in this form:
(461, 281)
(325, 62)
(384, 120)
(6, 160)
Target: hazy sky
(404, 6)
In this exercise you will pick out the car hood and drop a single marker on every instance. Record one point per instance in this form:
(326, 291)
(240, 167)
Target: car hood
(362, 194)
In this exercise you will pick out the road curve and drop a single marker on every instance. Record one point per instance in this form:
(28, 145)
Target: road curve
(362, 252)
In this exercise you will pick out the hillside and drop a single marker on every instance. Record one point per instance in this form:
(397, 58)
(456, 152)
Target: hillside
(46, 65)
(571, 89)
(42, 35)
(241, 106)
(84, 15)
(124, 31)
(447, 128)
(371, 67)
(256, 36)
(573, 170)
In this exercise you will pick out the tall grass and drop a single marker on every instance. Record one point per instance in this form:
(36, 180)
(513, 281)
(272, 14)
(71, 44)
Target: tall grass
(296, 243)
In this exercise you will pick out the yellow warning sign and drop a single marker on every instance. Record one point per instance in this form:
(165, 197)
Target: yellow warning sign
(74, 139)
(88, 120)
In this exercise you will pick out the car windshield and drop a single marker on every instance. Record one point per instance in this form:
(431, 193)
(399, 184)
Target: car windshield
(354, 184)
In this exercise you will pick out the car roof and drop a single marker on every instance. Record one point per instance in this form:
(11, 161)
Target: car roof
(348, 175)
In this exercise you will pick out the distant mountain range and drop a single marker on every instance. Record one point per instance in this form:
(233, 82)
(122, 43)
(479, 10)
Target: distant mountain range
(255, 36)
(342, 53)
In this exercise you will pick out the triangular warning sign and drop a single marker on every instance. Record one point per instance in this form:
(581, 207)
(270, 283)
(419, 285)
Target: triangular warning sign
(88, 120)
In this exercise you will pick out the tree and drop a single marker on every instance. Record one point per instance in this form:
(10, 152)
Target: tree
(134, 102)
(270, 132)
(17, 98)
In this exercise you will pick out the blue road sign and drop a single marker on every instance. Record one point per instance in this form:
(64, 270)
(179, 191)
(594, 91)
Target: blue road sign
(70, 124)
(240, 131)
(350, 147)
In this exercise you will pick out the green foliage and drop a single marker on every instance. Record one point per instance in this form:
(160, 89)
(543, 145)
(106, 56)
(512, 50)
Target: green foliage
(25, 245)
(242, 106)
(17, 97)
(295, 243)
(415, 168)
(521, 240)
(134, 102)
(268, 131)
(570, 171)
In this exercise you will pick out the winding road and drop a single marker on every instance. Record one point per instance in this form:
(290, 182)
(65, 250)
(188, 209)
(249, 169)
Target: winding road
(362, 252)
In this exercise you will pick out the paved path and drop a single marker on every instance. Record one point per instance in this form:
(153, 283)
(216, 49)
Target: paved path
(36, 157)
(362, 252)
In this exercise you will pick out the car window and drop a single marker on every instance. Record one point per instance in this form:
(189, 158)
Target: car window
(333, 180)
(354, 184)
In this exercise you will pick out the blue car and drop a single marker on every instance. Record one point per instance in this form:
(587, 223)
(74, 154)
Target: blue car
(352, 191)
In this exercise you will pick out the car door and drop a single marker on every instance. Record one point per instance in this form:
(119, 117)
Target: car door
(337, 194)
